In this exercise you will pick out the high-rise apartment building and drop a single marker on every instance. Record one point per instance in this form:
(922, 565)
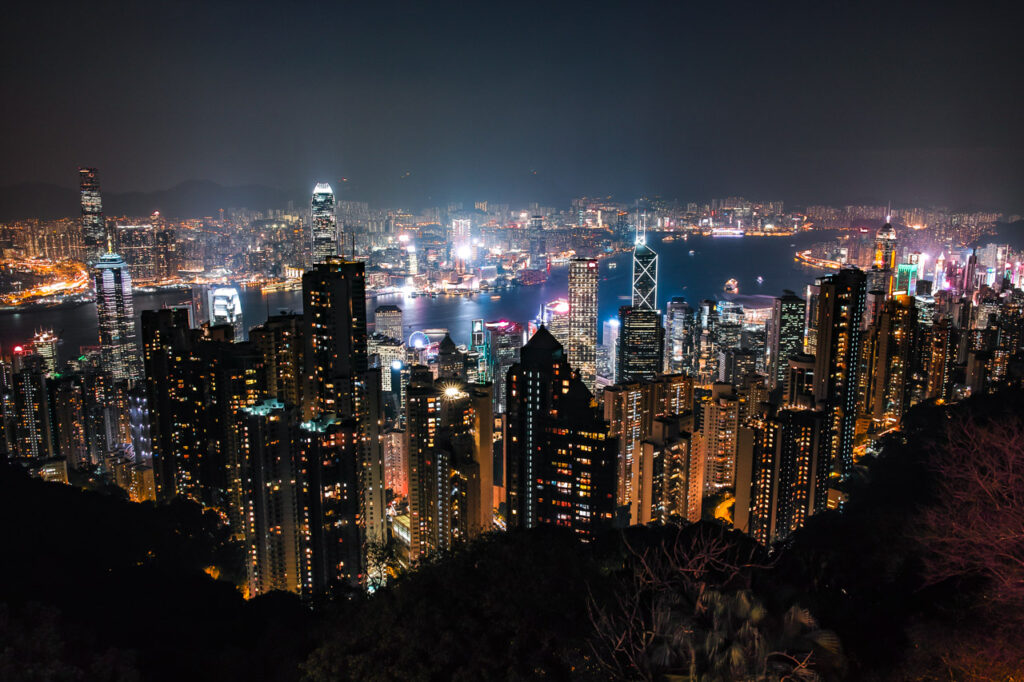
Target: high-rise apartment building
(890, 350)
(116, 311)
(583, 319)
(840, 308)
(323, 223)
(560, 464)
(719, 427)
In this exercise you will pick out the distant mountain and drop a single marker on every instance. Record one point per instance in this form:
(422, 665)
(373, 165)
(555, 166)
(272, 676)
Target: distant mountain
(192, 199)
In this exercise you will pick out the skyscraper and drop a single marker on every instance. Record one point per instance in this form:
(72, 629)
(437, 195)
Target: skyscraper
(116, 312)
(339, 380)
(719, 425)
(506, 342)
(784, 474)
(891, 345)
(641, 344)
(785, 335)
(94, 237)
(560, 460)
(679, 336)
(323, 223)
(645, 277)
(840, 308)
(583, 319)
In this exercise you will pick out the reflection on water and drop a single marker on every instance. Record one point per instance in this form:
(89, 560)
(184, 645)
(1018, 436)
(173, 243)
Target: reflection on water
(700, 276)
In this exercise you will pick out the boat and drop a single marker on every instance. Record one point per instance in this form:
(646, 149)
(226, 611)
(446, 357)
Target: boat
(669, 238)
(732, 287)
(612, 266)
(760, 279)
(692, 252)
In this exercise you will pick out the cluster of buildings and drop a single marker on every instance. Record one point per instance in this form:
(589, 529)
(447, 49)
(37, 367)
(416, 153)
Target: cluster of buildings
(320, 435)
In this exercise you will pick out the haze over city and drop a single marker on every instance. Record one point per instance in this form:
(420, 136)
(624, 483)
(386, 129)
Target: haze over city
(811, 102)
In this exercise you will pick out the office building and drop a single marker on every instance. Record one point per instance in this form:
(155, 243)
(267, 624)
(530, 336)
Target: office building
(94, 233)
(323, 224)
(641, 344)
(387, 320)
(116, 312)
(785, 332)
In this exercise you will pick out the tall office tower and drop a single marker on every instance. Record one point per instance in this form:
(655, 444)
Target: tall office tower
(385, 352)
(535, 236)
(583, 319)
(891, 344)
(279, 341)
(274, 499)
(560, 462)
(323, 224)
(44, 344)
(33, 424)
(645, 277)
(641, 344)
(116, 312)
(506, 342)
(785, 335)
(719, 425)
(970, 282)
(885, 248)
(607, 353)
(906, 279)
(555, 316)
(811, 294)
(840, 308)
(387, 320)
(679, 337)
(782, 474)
(461, 231)
(942, 357)
(480, 343)
(94, 232)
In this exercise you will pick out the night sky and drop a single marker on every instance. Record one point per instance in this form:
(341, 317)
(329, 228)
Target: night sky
(807, 101)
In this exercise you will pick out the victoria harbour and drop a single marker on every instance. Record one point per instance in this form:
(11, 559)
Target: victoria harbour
(695, 277)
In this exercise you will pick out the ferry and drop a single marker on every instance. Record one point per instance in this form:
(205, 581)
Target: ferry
(732, 287)
(760, 279)
(727, 232)
(692, 252)
(613, 265)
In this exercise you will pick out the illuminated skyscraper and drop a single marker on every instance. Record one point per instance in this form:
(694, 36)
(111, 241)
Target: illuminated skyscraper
(719, 425)
(94, 237)
(840, 308)
(339, 380)
(645, 276)
(323, 223)
(885, 248)
(785, 470)
(679, 327)
(44, 344)
(641, 344)
(506, 342)
(560, 460)
(785, 335)
(583, 319)
(116, 312)
(891, 344)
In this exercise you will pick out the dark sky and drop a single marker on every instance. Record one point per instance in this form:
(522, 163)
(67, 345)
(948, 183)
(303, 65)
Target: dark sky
(807, 101)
